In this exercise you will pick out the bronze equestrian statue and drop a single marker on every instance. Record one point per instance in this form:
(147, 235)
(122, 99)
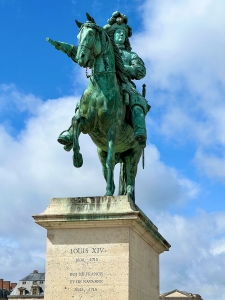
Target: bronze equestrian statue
(111, 110)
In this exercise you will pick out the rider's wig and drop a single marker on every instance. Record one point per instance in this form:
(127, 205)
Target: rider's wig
(119, 21)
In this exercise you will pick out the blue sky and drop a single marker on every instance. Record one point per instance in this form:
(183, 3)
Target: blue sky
(182, 187)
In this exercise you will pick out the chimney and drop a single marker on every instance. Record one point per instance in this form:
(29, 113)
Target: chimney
(6, 285)
(1, 283)
(35, 271)
(13, 285)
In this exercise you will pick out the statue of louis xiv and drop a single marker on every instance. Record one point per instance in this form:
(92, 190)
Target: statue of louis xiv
(134, 68)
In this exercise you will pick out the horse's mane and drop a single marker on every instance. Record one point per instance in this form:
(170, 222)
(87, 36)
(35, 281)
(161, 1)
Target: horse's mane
(109, 37)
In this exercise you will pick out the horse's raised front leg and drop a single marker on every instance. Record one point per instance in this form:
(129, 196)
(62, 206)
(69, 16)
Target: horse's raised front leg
(110, 161)
(77, 156)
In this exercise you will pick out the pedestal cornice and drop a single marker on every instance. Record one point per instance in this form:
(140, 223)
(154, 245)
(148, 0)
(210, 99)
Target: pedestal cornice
(89, 212)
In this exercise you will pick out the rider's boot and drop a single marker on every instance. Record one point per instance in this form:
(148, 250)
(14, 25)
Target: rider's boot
(66, 138)
(138, 121)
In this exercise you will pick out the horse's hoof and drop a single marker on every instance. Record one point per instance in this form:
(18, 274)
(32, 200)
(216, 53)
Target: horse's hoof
(109, 194)
(68, 147)
(130, 192)
(77, 160)
(131, 196)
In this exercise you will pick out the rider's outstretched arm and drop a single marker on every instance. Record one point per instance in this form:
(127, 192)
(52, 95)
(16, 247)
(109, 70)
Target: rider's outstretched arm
(68, 49)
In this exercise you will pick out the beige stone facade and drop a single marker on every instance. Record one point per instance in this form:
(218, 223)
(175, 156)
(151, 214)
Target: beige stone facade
(100, 248)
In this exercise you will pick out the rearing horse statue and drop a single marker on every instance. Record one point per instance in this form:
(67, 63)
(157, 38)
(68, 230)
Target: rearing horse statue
(102, 109)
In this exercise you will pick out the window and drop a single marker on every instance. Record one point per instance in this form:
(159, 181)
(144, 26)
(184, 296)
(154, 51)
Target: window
(24, 282)
(34, 291)
(22, 291)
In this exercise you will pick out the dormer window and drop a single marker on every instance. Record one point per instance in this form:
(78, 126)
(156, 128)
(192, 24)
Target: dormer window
(22, 291)
(35, 289)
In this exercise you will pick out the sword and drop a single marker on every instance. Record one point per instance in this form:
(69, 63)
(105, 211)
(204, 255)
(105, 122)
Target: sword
(143, 153)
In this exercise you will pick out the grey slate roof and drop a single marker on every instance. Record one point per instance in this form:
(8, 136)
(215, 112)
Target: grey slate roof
(34, 277)
(181, 292)
(173, 291)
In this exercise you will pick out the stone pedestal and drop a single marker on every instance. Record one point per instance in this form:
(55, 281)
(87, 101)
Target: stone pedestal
(100, 248)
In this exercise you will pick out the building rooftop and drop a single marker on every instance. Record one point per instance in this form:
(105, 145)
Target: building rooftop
(175, 294)
(35, 276)
(32, 285)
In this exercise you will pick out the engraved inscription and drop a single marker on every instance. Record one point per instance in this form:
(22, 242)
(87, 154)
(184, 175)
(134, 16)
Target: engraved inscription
(92, 289)
(83, 259)
(85, 281)
(93, 259)
(86, 290)
(79, 289)
(79, 259)
(79, 250)
(87, 274)
(98, 250)
(87, 250)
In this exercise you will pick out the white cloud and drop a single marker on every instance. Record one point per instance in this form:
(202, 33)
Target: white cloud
(212, 165)
(79, 79)
(218, 247)
(183, 44)
(161, 186)
(195, 262)
(183, 38)
(12, 99)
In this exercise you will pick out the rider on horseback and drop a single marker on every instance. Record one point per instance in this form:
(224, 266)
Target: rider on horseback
(134, 68)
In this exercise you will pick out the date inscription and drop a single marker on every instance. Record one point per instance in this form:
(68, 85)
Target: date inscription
(82, 259)
(86, 290)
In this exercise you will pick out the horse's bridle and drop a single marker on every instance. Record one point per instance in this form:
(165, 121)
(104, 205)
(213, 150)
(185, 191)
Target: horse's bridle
(84, 46)
(92, 50)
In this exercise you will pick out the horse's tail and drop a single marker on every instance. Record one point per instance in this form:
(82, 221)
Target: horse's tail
(122, 180)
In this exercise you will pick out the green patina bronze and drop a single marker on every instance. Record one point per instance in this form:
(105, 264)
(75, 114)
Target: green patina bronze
(111, 110)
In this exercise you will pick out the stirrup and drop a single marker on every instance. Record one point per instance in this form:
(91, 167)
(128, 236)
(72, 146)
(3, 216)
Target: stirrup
(140, 138)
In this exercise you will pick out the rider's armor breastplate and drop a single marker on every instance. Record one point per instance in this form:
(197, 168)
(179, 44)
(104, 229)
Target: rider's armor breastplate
(133, 60)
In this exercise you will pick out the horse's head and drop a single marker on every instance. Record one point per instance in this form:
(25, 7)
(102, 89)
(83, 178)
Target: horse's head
(89, 43)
